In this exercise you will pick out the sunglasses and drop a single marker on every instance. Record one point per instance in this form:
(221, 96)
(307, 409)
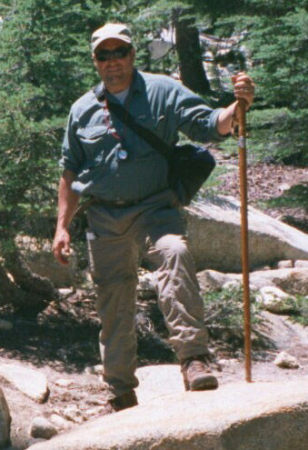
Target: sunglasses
(117, 53)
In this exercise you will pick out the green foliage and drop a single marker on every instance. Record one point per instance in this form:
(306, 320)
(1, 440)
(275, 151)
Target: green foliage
(41, 50)
(296, 196)
(279, 135)
(45, 65)
(276, 35)
(300, 314)
(224, 314)
(275, 135)
(277, 40)
(280, 54)
(272, 8)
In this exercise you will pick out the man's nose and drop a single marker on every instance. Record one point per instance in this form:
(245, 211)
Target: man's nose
(112, 61)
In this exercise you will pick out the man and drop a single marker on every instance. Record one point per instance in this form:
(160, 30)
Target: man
(134, 208)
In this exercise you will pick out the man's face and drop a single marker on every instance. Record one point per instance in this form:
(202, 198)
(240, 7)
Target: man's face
(116, 72)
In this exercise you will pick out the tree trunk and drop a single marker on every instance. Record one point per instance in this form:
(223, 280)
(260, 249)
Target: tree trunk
(190, 55)
(29, 292)
(26, 279)
(8, 289)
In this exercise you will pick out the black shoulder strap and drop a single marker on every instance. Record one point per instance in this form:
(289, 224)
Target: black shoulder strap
(146, 134)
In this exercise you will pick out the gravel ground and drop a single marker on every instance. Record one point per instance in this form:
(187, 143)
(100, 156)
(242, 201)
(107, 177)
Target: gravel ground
(279, 190)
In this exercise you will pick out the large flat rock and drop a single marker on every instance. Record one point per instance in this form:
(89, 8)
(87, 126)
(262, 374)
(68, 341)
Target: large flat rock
(31, 382)
(214, 232)
(239, 416)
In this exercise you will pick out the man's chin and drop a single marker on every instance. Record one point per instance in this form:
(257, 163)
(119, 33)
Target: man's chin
(115, 77)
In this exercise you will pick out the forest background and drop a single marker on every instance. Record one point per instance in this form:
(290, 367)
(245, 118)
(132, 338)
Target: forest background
(45, 65)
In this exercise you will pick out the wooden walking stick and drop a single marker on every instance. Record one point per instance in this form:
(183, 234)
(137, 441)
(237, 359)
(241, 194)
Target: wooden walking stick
(244, 233)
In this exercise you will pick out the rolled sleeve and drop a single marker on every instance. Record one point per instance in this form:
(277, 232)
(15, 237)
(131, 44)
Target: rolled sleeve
(194, 118)
(72, 153)
(214, 135)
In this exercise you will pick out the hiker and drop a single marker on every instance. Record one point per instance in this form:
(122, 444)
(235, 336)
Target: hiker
(132, 210)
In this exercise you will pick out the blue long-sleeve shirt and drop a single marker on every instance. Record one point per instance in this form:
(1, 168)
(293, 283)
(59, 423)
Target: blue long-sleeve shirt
(94, 137)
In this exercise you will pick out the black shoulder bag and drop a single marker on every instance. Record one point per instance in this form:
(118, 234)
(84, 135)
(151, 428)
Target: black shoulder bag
(189, 165)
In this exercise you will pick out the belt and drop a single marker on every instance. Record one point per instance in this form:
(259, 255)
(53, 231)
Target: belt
(114, 203)
(111, 204)
(107, 203)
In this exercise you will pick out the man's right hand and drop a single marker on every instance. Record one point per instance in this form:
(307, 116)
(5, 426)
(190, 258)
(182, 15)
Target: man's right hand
(61, 246)
(68, 201)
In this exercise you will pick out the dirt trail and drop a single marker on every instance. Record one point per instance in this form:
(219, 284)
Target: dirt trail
(85, 398)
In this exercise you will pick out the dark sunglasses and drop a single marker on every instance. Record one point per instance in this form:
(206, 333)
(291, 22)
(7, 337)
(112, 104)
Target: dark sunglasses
(117, 53)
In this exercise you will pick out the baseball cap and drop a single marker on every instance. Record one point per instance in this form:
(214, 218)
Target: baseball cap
(110, 31)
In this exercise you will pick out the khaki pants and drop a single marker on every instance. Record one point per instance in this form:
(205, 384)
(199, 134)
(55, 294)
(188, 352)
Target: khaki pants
(116, 240)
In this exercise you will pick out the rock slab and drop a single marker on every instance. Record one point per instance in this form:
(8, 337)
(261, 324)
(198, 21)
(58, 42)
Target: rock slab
(5, 421)
(241, 416)
(31, 382)
(214, 234)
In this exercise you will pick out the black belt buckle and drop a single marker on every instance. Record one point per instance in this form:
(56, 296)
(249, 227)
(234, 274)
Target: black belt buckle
(121, 203)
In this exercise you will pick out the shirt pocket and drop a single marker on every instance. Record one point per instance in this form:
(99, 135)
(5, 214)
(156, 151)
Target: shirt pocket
(95, 142)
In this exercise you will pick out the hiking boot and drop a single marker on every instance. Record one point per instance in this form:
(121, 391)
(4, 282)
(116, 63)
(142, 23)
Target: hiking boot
(197, 374)
(124, 401)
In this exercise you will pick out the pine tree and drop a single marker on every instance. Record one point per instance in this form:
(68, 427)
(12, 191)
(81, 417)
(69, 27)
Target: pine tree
(45, 65)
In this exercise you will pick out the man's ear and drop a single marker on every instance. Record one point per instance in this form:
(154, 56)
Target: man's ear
(94, 60)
